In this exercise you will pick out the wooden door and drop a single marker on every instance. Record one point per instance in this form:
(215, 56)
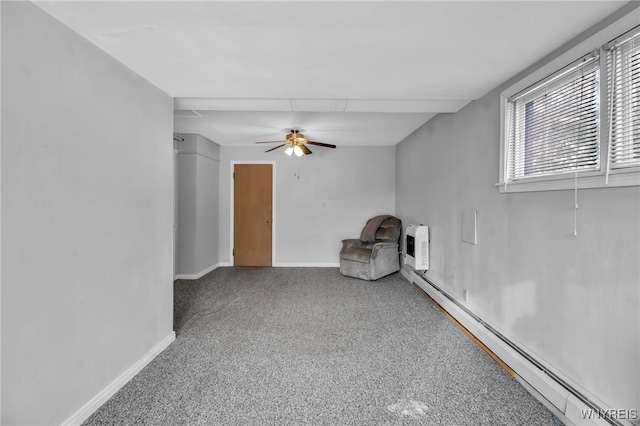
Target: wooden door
(252, 219)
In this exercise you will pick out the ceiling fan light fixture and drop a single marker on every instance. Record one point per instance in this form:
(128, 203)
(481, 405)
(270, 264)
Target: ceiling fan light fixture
(296, 143)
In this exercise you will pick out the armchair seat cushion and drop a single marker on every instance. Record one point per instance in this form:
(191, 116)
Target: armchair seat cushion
(357, 254)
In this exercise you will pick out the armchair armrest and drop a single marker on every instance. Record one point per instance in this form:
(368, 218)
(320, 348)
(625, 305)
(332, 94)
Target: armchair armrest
(351, 243)
(384, 247)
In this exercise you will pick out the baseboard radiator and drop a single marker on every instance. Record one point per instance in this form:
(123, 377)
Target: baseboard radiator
(563, 399)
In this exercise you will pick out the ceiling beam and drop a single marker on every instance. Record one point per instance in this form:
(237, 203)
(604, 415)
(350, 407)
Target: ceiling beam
(322, 105)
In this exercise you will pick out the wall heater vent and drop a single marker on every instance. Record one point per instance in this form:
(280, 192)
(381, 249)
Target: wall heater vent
(416, 247)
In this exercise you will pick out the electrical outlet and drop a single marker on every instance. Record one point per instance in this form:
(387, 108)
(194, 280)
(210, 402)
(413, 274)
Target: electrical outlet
(465, 295)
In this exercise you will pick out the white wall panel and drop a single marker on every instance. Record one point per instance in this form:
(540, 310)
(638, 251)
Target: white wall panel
(87, 216)
(321, 198)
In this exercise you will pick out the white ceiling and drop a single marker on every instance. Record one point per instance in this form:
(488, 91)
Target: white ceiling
(348, 72)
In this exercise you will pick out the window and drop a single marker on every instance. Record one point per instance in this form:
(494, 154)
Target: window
(577, 126)
(623, 70)
(554, 126)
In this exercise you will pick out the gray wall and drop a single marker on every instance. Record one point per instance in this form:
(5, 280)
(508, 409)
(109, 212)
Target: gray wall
(320, 198)
(86, 218)
(198, 180)
(571, 301)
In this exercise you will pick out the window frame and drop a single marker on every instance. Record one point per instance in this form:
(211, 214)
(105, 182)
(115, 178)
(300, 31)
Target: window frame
(629, 176)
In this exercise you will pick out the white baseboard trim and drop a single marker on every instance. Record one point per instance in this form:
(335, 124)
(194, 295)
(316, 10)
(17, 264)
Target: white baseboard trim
(305, 265)
(544, 401)
(199, 274)
(549, 392)
(293, 265)
(96, 402)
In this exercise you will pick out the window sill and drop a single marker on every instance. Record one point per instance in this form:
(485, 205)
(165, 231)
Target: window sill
(617, 178)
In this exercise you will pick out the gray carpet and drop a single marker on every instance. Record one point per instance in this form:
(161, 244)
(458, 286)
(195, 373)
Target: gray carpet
(309, 346)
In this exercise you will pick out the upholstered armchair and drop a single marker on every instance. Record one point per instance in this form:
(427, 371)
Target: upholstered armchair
(376, 253)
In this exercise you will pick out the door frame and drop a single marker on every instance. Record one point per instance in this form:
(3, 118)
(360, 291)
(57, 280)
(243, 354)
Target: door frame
(232, 207)
(175, 212)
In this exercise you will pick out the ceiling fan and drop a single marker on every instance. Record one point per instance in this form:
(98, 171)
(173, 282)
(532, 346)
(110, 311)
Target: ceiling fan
(297, 144)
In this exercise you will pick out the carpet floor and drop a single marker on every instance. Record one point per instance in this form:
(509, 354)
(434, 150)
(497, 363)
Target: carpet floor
(309, 346)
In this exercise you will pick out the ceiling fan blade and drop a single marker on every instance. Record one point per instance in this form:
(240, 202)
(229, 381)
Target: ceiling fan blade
(304, 149)
(271, 142)
(326, 145)
(275, 147)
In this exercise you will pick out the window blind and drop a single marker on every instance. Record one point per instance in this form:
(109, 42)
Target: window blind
(623, 70)
(553, 126)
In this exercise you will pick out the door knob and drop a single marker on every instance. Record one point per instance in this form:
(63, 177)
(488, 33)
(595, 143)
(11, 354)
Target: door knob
(268, 220)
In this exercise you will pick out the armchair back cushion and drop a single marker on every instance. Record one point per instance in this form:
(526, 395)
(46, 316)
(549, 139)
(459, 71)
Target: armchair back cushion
(389, 230)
